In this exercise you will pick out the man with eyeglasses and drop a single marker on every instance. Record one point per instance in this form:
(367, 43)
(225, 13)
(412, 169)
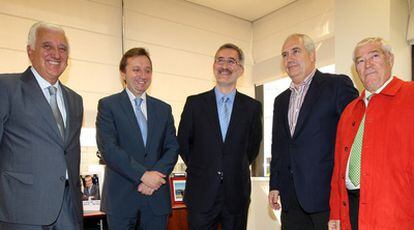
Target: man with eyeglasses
(219, 135)
(305, 117)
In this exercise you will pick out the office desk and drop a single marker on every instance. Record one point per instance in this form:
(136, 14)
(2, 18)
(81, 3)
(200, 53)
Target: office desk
(94, 220)
(178, 218)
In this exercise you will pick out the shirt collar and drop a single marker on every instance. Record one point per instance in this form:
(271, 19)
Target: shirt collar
(132, 97)
(41, 81)
(219, 95)
(307, 81)
(368, 94)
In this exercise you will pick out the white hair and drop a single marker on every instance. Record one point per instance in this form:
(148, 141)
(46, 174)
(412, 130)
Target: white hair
(384, 45)
(307, 41)
(31, 39)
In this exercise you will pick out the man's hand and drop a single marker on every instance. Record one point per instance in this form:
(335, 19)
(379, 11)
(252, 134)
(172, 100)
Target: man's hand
(274, 199)
(142, 188)
(334, 225)
(153, 179)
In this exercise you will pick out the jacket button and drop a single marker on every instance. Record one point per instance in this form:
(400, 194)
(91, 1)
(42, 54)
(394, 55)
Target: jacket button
(146, 154)
(346, 149)
(353, 123)
(344, 203)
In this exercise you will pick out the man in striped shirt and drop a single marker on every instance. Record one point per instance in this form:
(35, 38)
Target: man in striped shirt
(305, 117)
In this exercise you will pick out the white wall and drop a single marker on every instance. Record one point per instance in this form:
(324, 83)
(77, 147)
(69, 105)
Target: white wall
(312, 17)
(384, 18)
(399, 18)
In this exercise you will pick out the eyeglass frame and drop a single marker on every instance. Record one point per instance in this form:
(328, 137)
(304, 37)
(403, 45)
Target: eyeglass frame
(229, 61)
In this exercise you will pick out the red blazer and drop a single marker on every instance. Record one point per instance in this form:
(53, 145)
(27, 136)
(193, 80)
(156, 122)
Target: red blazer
(387, 164)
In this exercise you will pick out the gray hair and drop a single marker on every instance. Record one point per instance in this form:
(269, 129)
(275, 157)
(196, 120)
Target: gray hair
(233, 47)
(307, 41)
(386, 48)
(31, 38)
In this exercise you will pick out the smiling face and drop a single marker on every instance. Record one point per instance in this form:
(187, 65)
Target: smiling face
(373, 65)
(227, 68)
(49, 56)
(297, 60)
(137, 74)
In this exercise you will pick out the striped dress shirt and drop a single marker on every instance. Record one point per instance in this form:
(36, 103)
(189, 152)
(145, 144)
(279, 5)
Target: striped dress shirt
(297, 96)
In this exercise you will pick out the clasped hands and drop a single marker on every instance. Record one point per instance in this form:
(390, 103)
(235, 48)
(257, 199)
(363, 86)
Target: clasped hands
(151, 182)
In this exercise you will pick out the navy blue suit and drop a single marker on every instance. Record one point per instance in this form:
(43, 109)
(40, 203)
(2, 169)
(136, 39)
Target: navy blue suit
(127, 158)
(305, 160)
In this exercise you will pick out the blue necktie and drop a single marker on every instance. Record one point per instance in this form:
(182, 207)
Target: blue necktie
(225, 118)
(142, 122)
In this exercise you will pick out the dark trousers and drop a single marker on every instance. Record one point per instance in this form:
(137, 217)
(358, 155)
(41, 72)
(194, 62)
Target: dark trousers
(353, 196)
(66, 219)
(145, 219)
(218, 214)
(298, 219)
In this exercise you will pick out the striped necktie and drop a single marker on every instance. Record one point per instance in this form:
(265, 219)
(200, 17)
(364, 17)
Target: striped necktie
(56, 111)
(225, 118)
(356, 150)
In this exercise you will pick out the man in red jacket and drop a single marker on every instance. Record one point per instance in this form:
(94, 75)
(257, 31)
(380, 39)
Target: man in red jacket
(373, 180)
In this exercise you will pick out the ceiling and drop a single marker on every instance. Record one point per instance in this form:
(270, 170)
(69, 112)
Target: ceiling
(249, 10)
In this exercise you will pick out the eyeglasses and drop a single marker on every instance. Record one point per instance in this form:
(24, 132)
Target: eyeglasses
(230, 61)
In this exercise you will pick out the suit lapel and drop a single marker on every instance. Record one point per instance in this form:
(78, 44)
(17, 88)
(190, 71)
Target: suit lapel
(236, 114)
(152, 116)
(284, 109)
(34, 93)
(311, 97)
(212, 114)
(130, 115)
(69, 106)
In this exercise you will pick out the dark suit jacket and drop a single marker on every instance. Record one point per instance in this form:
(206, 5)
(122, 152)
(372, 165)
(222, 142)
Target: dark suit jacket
(94, 191)
(33, 156)
(119, 140)
(307, 157)
(205, 154)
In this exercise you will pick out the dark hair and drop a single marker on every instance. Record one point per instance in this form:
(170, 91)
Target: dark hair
(134, 52)
(233, 47)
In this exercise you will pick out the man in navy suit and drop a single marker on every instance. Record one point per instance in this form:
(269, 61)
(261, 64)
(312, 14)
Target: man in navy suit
(305, 117)
(40, 123)
(136, 136)
(219, 134)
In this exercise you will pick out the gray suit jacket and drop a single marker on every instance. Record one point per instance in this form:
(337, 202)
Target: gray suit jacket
(119, 140)
(33, 156)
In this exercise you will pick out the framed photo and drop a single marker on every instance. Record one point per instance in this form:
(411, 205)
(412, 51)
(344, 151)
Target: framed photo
(177, 184)
(91, 191)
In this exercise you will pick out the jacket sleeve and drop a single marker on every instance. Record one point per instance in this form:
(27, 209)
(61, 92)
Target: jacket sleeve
(170, 147)
(4, 105)
(256, 133)
(335, 196)
(185, 131)
(346, 92)
(115, 157)
(274, 163)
